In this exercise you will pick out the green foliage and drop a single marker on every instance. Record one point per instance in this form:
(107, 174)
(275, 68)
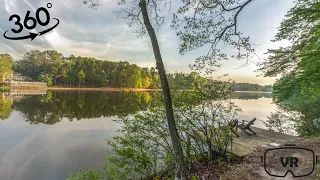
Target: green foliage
(5, 107)
(195, 177)
(282, 121)
(145, 150)
(55, 69)
(202, 117)
(81, 77)
(252, 95)
(298, 89)
(186, 80)
(145, 139)
(6, 64)
(46, 78)
(91, 174)
(301, 27)
(205, 114)
(251, 87)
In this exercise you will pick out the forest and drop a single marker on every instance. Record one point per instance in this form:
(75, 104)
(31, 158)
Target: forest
(56, 70)
(251, 87)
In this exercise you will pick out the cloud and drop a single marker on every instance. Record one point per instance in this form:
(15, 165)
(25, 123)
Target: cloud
(100, 34)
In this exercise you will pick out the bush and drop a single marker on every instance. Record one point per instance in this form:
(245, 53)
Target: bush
(145, 149)
(91, 174)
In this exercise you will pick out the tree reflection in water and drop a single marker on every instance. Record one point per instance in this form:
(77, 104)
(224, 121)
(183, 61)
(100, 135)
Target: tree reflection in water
(5, 106)
(77, 105)
(55, 105)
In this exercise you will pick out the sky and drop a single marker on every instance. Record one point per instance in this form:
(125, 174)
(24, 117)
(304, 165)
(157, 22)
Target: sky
(101, 34)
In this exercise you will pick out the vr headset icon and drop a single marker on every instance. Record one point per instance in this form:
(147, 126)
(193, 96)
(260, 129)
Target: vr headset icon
(300, 162)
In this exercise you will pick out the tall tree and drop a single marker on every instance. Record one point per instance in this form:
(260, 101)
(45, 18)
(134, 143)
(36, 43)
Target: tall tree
(138, 12)
(81, 77)
(5, 66)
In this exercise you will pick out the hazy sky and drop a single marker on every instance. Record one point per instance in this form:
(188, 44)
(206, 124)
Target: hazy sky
(100, 34)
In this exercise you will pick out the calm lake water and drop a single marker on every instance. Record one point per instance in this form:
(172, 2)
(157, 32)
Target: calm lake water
(45, 137)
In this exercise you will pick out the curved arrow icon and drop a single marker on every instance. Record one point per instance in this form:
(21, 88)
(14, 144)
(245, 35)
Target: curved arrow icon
(48, 30)
(31, 36)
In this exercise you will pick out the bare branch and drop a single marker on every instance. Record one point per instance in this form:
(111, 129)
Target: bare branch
(91, 3)
(213, 23)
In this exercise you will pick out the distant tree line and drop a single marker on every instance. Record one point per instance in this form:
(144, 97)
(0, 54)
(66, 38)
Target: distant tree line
(56, 70)
(251, 87)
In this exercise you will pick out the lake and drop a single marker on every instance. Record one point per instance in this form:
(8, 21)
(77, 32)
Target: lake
(45, 137)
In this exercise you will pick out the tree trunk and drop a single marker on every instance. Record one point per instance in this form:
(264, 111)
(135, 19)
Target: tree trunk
(178, 152)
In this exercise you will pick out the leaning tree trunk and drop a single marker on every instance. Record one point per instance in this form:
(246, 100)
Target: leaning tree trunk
(178, 152)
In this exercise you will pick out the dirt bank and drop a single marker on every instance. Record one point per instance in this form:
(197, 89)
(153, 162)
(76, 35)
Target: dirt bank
(251, 167)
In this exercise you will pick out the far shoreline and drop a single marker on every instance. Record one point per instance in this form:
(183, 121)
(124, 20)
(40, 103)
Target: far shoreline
(99, 89)
(254, 92)
(55, 88)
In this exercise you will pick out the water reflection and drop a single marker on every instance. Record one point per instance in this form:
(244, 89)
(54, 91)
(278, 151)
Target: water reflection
(251, 95)
(42, 152)
(55, 105)
(52, 107)
(45, 137)
(255, 108)
(5, 107)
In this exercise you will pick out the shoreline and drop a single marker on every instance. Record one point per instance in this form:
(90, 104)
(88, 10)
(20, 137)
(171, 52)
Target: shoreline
(99, 89)
(105, 89)
(253, 92)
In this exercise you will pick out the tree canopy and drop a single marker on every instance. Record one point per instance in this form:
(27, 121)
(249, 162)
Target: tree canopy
(55, 69)
(298, 90)
(6, 64)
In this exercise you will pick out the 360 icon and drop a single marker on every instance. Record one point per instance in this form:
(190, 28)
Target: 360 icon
(31, 23)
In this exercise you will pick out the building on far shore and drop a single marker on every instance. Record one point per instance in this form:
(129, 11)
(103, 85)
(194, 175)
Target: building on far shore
(18, 77)
(17, 80)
